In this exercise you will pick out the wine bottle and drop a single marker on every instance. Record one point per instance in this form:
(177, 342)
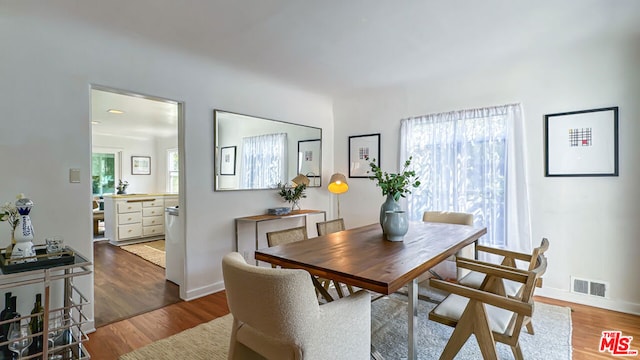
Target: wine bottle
(10, 314)
(36, 324)
(4, 329)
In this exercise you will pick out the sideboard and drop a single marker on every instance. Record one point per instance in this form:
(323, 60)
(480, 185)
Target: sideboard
(136, 218)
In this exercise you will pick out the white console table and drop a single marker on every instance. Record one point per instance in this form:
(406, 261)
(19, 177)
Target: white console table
(256, 219)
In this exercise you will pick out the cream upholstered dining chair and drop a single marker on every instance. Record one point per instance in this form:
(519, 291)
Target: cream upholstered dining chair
(506, 287)
(270, 321)
(490, 317)
(330, 226)
(451, 217)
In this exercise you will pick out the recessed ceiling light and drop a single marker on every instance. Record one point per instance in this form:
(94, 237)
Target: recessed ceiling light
(115, 111)
(95, 122)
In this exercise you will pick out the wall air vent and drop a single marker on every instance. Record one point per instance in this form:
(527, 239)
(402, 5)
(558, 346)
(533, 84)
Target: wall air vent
(589, 287)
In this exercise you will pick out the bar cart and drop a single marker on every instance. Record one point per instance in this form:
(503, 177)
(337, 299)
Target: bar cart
(47, 272)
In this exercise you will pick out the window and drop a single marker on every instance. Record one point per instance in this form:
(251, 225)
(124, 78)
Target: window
(466, 161)
(173, 169)
(103, 173)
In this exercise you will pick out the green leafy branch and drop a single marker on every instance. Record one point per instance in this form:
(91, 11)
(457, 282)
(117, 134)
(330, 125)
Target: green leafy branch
(396, 185)
(291, 193)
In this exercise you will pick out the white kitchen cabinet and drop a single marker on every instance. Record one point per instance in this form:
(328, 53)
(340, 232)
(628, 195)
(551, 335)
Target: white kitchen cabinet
(135, 218)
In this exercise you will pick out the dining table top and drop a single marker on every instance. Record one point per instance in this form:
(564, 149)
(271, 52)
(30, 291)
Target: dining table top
(362, 256)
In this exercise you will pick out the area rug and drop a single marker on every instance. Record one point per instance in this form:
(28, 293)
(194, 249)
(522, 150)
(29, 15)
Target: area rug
(152, 251)
(389, 336)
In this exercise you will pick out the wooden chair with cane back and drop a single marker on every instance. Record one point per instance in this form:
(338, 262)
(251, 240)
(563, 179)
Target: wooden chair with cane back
(466, 309)
(329, 227)
(286, 236)
(506, 287)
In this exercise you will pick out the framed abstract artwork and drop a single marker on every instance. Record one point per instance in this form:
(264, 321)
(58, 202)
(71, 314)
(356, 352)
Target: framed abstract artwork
(582, 143)
(141, 165)
(228, 160)
(361, 148)
(309, 160)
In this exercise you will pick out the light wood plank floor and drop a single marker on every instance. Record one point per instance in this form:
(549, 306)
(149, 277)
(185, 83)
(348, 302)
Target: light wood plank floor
(112, 340)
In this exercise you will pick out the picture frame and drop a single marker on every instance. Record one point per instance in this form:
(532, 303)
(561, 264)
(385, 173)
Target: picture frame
(309, 160)
(362, 147)
(582, 143)
(141, 165)
(228, 160)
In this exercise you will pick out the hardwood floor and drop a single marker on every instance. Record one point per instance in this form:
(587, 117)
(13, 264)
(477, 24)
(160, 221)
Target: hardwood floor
(127, 285)
(111, 341)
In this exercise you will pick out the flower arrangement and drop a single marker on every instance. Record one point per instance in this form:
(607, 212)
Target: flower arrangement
(292, 194)
(10, 214)
(122, 186)
(396, 185)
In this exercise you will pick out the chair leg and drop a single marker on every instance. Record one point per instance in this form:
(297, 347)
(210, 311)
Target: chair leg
(473, 321)
(517, 351)
(530, 326)
(338, 287)
(350, 288)
(321, 289)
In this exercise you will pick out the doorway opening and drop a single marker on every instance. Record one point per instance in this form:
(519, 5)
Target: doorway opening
(127, 128)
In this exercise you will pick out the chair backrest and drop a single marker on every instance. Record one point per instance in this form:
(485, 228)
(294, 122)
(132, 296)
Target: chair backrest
(280, 312)
(331, 226)
(448, 217)
(540, 250)
(286, 236)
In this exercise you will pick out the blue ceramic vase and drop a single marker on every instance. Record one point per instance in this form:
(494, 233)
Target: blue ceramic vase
(389, 205)
(396, 225)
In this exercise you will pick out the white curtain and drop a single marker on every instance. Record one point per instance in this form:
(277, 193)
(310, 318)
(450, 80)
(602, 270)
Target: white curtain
(472, 161)
(264, 161)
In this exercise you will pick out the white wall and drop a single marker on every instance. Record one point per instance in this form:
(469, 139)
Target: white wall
(591, 222)
(47, 68)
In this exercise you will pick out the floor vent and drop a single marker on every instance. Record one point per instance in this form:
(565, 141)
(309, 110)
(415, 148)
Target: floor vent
(589, 287)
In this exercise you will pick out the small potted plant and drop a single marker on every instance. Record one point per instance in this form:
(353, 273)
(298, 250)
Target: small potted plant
(393, 185)
(122, 186)
(292, 194)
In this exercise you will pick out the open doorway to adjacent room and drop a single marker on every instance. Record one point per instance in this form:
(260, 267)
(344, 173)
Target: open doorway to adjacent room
(135, 141)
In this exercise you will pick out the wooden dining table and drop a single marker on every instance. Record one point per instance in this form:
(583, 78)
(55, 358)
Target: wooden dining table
(362, 257)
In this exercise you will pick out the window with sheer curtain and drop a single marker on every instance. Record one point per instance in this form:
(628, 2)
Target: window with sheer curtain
(264, 161)
(472, 161)
(173, 171)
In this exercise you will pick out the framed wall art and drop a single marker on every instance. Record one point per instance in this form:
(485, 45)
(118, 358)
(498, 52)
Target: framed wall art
(361, 148)
(228, 160)
(141, 165)
(582, 143)
(309, 159)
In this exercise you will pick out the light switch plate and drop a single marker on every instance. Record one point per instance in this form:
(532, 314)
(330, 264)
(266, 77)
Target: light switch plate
(74, 175)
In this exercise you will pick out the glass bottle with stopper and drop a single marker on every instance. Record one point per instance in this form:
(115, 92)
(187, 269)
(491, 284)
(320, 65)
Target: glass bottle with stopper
(24, 231)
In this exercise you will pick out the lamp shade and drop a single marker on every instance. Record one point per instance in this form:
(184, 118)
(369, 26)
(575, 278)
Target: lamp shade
(300, 179)
(338, 184)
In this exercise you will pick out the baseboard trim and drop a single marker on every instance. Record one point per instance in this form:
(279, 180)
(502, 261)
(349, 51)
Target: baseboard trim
(622, 306)
(203, 291)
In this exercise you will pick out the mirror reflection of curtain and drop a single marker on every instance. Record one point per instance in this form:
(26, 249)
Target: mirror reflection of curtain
(264, 161)
(472, 161)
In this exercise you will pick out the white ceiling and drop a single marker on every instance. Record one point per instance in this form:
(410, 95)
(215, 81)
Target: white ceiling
(333, 47)
(336, 46)
(143, 118)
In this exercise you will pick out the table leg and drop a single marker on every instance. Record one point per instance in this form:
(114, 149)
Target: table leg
(413, 318)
